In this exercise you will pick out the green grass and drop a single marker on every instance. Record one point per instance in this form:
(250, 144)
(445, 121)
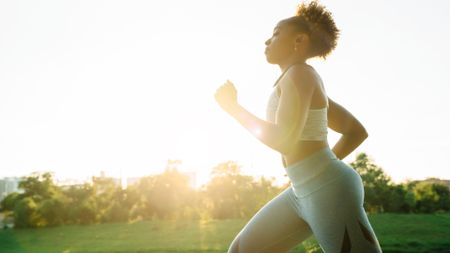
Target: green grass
(396, 233)
(416, 233)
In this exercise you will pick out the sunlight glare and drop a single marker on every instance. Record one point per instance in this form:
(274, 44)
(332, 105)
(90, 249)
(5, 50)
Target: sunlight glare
(257, 131)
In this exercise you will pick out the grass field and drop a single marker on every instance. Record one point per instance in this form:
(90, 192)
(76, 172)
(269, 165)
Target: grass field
(396, 233)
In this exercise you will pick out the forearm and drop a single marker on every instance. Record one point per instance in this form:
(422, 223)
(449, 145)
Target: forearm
(270, 134)
(347, 143)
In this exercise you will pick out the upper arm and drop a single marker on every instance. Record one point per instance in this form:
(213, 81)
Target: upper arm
(297, 90)
(342, 121)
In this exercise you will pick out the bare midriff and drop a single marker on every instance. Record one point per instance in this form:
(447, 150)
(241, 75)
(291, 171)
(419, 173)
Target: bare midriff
(302, 150)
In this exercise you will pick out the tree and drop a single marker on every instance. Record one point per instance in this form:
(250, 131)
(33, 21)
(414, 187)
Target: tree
(399, 199)
(25, 213)
(81, 206)
(38, 186)
(262, 191)
(166, 195)
(431, 196)
(52, 211)
(40, 204)
(376, 183)
(118, 209)
(8, 203)
(230, 194)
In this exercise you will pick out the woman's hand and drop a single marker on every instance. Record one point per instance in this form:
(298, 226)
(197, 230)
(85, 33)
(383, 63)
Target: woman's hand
(226, 97)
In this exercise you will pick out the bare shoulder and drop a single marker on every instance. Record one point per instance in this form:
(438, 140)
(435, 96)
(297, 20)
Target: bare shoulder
(301, 76)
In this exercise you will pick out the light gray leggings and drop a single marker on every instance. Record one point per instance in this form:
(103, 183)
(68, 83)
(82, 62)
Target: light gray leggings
(325, 199)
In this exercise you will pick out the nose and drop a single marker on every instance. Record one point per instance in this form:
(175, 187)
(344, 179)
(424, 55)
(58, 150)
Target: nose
(267, 42)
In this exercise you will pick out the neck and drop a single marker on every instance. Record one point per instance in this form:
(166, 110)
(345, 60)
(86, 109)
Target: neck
(291, 61)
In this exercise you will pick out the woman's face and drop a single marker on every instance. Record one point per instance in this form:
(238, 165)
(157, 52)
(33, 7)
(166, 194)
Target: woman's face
(282, 43)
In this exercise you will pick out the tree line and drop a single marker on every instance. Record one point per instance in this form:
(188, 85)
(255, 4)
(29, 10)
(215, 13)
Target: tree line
(228, 195)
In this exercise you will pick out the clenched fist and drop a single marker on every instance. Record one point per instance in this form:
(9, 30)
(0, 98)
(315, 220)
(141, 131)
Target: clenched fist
(226, 97)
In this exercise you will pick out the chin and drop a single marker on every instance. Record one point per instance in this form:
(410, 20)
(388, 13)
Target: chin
(270, 60)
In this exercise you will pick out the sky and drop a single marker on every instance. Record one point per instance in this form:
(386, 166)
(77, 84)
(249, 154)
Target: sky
(123, 86)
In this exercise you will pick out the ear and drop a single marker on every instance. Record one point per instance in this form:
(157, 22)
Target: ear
(298, 42)
(300, 38)
(301, 41)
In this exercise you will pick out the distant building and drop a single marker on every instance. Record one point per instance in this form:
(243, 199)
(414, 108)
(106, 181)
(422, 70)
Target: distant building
(9, 185)
(121, 182)
(70, 181)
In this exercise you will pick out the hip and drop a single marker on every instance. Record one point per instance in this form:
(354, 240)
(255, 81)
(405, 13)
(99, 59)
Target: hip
(321, 169)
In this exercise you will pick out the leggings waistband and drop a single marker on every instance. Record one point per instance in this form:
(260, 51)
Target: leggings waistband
(300, 173)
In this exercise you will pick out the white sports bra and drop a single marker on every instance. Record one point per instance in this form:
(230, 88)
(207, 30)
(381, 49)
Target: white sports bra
(316, 125)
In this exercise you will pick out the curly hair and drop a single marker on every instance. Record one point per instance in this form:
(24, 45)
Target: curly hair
(320, 27)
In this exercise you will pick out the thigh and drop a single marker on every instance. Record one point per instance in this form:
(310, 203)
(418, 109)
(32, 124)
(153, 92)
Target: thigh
(276, 227)
(352, 233)
(337, 218)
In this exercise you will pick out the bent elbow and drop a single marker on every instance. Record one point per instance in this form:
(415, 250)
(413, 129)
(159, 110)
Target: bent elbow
(358, 131)
(362, 133)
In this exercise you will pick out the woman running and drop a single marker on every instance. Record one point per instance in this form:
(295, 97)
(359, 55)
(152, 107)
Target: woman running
(326, 196)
